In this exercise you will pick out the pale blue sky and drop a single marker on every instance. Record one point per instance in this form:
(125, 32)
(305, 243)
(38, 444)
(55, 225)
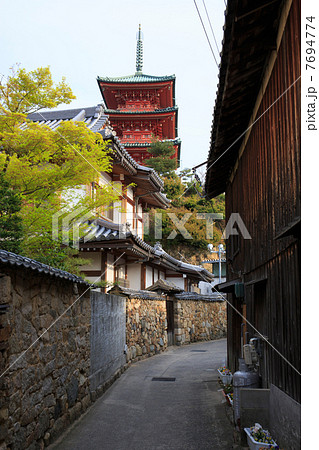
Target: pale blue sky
(82, 39)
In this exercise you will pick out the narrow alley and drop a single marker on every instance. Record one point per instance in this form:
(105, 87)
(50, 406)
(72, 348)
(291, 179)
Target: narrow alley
(170, 401)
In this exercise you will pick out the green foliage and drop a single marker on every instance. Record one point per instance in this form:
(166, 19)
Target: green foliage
(173, 187)
(11, 229)
(53, 252)
(49, 169)
(185, 199)
(25, 92)
(162, 161)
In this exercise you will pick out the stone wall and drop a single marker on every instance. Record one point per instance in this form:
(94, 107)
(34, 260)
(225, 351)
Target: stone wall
(146, 325)
(60, 348)
(46, 383)
(194, 320)
(198, 320)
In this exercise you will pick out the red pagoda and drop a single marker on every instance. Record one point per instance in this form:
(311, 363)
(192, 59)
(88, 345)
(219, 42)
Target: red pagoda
(141, 106)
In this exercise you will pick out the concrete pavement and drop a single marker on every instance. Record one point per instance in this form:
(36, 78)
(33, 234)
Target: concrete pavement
(170, 401)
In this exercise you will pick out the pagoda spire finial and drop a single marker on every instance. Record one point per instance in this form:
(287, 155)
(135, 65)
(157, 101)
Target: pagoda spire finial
(139, 51)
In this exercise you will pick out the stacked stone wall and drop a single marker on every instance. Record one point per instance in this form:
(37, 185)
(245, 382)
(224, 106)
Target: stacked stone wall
(46, 383)
(60, 349)
(198, 320)
(146, 325)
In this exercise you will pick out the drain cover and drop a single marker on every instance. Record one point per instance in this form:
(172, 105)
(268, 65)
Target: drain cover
(163, 379)
(199, 351)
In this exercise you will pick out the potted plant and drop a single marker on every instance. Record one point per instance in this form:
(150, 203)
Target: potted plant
(225, 375)
(258, 438)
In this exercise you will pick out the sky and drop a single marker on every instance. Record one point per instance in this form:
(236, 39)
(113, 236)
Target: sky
(85, 39)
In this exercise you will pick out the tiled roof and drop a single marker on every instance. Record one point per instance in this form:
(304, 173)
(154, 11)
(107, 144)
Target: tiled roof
(94, 117)
(101, 230)
(214, 297)
(18, 260)
(131, 293)
(136, 165)
(165, 286)
(137, 78)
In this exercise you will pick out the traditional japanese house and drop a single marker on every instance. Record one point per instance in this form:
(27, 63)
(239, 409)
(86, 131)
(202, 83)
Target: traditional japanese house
(141, 106)
(114, 245)
(254, 158)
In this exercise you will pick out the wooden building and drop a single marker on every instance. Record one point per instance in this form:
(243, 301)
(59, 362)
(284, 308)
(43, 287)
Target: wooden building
(141, 106)
(254, 158)
(114, 244)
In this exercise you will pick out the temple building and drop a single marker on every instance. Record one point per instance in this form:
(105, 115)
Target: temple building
(114, 244)
(141, 107)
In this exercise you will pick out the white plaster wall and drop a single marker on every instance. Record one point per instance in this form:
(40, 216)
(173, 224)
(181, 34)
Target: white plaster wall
(130, 193)
(134, 276)
(121, 271)
(155, 275)
(140, 229)
(205, 288)
(148, 276)
(178, 281)
(161, 275)
(110, 268)
(129, 214)
(117, 215)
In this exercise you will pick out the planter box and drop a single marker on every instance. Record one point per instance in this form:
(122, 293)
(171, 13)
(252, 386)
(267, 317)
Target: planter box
(226, 379)
(254, 445)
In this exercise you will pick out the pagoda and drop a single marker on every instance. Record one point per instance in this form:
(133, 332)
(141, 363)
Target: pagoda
(141, 107)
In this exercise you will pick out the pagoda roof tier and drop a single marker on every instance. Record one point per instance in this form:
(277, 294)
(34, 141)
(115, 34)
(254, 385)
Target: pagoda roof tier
(137, 78)
(170, 131)
(161, 91)
(145, 112)
(176, 141)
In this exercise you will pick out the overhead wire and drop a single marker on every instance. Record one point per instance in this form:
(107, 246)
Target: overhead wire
(211, 27)
(204, 28)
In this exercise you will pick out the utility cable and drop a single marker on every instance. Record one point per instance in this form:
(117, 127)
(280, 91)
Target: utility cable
(211, 26)
(211, 48)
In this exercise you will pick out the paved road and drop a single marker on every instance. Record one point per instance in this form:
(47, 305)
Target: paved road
(139, 413)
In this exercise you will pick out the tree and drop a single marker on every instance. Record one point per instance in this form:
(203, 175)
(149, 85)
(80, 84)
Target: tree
(11, 230)
(49, 169)
(186, 195)
(26, 92)
(162, 161)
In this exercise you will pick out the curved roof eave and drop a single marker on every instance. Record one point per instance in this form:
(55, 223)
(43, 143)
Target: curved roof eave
(137, 78)
(155, 111)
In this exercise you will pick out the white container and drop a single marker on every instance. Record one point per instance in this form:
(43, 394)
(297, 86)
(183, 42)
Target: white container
(226, 379)
(254, 445)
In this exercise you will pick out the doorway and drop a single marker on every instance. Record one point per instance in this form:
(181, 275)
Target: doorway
(170, 322)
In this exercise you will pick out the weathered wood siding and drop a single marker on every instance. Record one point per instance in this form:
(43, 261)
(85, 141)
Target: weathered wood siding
(266, 192)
